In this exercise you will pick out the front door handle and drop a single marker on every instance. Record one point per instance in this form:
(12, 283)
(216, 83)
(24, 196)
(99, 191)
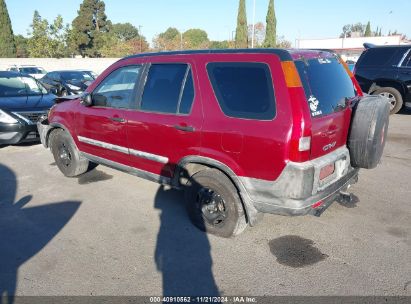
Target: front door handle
(184, 128)
(117, 119)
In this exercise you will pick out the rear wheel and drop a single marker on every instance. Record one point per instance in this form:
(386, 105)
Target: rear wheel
(214, 205)
(66, 155)
(393, 96)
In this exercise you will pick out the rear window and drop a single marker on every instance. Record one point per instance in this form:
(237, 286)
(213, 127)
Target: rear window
(326, 83)
(243, 90)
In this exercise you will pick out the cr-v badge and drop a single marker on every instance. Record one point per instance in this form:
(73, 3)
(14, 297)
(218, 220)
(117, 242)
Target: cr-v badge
(329, 146)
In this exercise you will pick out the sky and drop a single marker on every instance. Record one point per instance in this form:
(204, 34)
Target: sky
(295, 18)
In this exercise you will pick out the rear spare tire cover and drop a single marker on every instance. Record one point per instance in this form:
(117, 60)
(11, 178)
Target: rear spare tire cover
(369, 125)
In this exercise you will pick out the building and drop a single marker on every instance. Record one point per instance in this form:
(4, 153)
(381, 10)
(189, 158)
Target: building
(349, 48)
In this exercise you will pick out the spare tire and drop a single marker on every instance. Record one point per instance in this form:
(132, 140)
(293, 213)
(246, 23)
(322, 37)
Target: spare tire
(369, 124)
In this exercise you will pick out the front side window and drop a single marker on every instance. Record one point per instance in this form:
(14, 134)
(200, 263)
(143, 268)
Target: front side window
(169, 89)
(116, 90)
(243, 89)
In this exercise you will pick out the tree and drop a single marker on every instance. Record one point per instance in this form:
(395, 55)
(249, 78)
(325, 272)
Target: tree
(219, 45)
(350, 30)
(48, 40)
(39, 43)
(21, 46)
(282, 43)
(89, 28)
(259, 33)
(113, 47)
(195, 39)
(241, 33)
(367, 32)
(125, 31)
(271, 32)
(168, 40)
(7, 43)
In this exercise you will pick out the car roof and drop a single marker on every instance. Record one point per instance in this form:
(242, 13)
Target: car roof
(282, 53)
(12, 74)
(403, 46)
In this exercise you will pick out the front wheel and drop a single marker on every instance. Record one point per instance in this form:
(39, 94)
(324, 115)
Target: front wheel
(393, 96)
(66, 155)
(214, 205)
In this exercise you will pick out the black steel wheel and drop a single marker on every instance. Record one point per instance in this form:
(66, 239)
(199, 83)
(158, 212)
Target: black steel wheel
(66, 155)
(214, 205)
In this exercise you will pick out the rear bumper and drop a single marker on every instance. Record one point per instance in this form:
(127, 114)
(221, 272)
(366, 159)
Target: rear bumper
(298, 190)
(11, 134)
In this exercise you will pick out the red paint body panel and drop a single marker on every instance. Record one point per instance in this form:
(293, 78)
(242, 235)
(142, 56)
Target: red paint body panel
(251, 148)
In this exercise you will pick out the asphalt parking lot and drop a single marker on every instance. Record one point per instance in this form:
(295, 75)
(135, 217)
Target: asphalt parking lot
(109, 233)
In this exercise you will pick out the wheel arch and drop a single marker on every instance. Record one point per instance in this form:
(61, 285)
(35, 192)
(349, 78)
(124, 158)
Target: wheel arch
(192, 164)
(387, 83)
(53, 127)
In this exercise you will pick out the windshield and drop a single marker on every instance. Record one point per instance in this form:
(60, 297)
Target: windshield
(20, 86)
(32, 70)
(79, 76)
(326, 83)
(91, 73)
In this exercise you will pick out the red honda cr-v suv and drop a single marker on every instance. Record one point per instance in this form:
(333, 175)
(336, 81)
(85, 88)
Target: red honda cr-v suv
(243, 132)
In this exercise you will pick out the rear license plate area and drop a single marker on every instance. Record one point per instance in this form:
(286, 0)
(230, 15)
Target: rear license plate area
(326, 171)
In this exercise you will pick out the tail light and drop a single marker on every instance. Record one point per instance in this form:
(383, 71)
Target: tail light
(300, 141)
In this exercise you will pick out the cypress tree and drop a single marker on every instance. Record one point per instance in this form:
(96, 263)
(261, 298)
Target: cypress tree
(271, 29)
(88, 26)
(367, 32)
(7, 43)
(241, 33)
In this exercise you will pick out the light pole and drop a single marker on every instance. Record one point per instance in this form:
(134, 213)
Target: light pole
(181, 40)
(253, 34)
(141, 38)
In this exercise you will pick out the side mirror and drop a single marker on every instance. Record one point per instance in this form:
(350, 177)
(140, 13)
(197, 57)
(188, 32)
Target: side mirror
(53, 91)
(86, 100)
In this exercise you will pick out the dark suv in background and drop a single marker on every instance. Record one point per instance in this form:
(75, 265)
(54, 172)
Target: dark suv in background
(386, 71)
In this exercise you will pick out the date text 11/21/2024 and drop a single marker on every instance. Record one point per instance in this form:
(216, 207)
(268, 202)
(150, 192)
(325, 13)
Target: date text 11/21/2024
(203, 300)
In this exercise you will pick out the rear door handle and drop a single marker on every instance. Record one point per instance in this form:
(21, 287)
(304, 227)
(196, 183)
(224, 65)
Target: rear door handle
(117, 119)
(185, 128)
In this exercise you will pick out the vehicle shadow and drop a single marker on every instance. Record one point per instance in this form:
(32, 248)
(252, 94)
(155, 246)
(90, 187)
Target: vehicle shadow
(183, 252)
(24, 231)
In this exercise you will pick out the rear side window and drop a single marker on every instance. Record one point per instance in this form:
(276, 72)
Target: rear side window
(326, 83)
(407, 60)
(377, 57)
(168, 89)
(243, 90)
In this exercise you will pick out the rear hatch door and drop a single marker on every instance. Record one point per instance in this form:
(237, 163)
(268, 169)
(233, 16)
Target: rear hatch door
(329, 91)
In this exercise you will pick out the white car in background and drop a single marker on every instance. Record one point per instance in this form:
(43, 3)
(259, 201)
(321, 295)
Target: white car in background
(34, 71)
